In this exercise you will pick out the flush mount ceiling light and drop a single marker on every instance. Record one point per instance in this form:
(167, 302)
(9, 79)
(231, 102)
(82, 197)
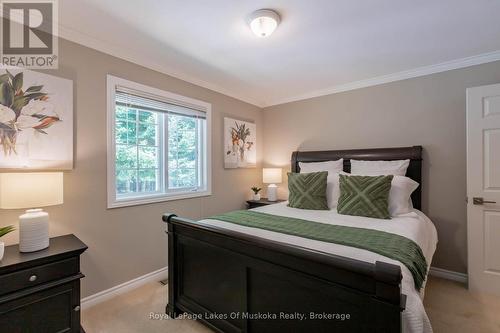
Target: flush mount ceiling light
(263, 22)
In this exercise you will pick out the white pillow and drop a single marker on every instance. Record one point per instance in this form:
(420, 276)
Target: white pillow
(399, 195)
(330, 166)
(333, 189)
(332, 181)
(379, 168)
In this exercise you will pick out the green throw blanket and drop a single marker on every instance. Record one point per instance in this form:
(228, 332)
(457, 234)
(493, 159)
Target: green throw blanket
(389, 245)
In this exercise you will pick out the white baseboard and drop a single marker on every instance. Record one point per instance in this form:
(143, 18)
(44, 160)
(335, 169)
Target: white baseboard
(449, 275)
(162, 274)
(104, 295)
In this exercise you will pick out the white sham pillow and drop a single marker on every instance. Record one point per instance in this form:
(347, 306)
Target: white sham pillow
(333, 189)
(332, 181)
(400, 195)
(330, 166)
(379, 168)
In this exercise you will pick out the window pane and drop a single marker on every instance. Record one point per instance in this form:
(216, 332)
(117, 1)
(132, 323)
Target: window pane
(157, 153)
(148, 157)
(182, 151)
(180, 178)
(147, 135)
(148, 180)
(121, 112)
(121, 132)
(126, 157)
(181, 164)
(125, 113)
(125, 132)
(148, 117)
(137, 158)
(126, 181)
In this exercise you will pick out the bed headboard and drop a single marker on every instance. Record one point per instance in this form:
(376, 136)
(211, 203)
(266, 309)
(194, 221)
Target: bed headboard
(414, 154)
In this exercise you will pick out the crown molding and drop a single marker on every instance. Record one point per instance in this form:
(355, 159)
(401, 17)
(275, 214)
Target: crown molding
(403, 75)
(136, 58)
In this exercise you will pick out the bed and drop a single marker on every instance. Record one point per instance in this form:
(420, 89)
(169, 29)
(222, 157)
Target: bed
(239, 279)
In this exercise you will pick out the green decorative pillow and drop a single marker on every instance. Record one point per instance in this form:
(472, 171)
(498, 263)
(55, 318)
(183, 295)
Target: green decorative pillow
(307, 190)
(365, 196)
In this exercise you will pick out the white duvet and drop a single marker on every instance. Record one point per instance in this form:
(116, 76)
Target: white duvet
(415, 226)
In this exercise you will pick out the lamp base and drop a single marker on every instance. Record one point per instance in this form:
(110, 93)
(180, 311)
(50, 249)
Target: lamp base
(33, 230)
(271, 192)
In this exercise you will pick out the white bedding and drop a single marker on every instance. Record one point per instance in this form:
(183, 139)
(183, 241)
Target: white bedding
(415, 226)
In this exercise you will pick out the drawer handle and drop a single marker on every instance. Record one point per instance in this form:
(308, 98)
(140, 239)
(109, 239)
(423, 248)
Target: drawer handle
(76, 308)
(33, 278)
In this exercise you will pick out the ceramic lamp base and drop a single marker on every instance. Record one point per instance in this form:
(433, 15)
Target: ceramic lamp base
(33, 230)
(271, 192)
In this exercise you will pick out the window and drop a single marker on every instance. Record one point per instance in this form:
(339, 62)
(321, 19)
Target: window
(158, 145)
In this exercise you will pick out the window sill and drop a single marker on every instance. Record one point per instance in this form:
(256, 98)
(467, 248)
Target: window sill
(156, 198)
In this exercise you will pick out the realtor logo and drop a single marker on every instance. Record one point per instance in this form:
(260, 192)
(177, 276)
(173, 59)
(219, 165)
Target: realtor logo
(29, 34)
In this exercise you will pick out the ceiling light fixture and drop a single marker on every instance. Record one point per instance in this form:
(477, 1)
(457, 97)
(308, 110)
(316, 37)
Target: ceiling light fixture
(263, 22)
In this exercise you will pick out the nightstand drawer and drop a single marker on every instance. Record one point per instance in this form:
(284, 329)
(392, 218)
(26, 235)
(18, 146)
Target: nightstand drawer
(48, 311)
(37, 275)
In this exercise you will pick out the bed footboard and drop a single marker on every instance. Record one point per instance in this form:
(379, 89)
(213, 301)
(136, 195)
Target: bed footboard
(234, 282)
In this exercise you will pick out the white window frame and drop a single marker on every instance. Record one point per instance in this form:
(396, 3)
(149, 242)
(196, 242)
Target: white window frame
(146, 198)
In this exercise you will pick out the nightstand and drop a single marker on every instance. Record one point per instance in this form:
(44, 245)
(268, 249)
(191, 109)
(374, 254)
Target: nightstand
(262, 202)
(40, 291)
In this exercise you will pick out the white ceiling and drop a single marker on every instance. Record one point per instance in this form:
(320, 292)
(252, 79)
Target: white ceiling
(321, 46)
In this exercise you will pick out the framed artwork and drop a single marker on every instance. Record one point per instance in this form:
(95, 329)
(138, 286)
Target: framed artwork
(240, 149)
(36, 121)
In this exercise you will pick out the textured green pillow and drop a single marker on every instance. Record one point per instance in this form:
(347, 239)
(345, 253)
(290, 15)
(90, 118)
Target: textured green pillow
(365, 196)
(307, 190)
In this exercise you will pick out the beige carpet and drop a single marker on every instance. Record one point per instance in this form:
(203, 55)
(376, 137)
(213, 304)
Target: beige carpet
(450, 306)
(131, 311)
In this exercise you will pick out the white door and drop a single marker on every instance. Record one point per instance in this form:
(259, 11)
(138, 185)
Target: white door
(483, 188)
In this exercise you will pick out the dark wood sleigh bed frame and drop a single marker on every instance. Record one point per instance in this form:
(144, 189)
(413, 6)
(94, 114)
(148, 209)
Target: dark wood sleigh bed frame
(234, 282)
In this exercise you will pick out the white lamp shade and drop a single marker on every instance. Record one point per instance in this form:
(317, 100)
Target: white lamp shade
(29, 190)
(271, 175)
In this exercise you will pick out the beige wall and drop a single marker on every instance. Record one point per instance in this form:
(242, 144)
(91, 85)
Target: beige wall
(427, 111)
(129, 242)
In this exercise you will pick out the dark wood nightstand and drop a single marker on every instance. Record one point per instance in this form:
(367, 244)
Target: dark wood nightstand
(262, 202)
(40, 291)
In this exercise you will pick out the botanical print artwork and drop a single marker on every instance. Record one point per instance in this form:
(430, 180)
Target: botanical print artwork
(239, 144)
(36, 120)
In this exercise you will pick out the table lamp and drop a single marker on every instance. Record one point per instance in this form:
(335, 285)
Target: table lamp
(30, 190)
(271, 176)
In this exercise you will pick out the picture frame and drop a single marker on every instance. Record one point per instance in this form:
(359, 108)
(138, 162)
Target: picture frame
(36, 120)
(240, 144)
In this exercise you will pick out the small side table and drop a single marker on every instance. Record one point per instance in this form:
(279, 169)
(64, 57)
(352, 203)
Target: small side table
(262, 202)
(40, 291)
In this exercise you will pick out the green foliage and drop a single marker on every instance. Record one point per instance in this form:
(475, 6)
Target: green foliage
(137, 151)
(241, 131)
(12, 95)
(14, 98)
(256, 190)
(182, 151)
(17, 83)
(5, 230)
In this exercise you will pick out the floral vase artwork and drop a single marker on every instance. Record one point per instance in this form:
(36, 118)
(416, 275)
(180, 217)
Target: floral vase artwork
(239, 144)
(36, 125)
